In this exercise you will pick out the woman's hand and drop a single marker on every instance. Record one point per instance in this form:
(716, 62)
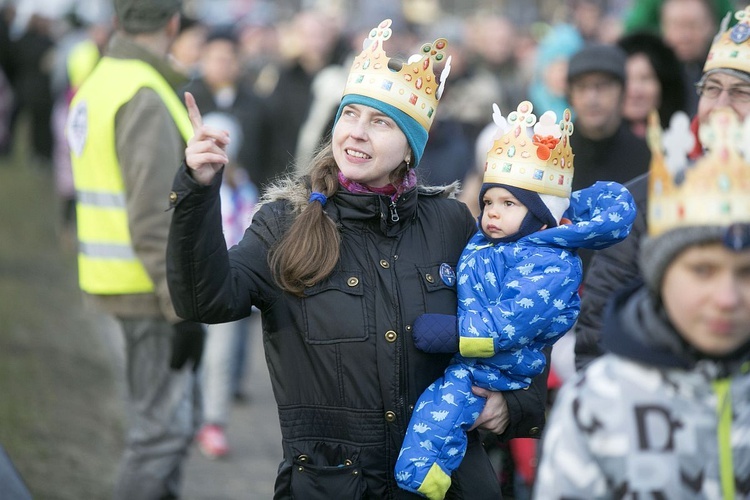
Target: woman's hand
(494, 418)
(206, 150)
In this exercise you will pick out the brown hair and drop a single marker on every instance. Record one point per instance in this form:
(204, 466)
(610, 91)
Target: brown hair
(310, 248)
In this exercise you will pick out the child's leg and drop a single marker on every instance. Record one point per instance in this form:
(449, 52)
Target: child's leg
(435, 440)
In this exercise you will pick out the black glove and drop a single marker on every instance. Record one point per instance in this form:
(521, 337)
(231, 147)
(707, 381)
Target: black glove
(187, 344)
(436, 333)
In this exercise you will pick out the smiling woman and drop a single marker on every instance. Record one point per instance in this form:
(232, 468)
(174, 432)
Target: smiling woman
(341, 259)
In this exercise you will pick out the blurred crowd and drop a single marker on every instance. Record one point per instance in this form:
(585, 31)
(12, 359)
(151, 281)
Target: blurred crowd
(279, 71)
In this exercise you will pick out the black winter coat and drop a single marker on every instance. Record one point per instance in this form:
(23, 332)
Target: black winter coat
(611, 269)
(343, 365)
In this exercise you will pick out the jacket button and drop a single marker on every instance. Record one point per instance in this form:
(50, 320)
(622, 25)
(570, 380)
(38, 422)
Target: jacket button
(390, 416)
(429, 278)
(353, 281)
(408, 328)
(384, 264)
(303, 458)
(172, 197)
(391, 336)
(534, 431)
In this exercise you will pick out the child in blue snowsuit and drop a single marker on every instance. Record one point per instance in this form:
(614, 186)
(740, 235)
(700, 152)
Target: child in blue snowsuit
(517, 284)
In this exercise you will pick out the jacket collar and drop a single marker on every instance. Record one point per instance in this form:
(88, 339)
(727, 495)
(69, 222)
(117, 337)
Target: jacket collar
(637, 327)
(122, 47)
(378, 211)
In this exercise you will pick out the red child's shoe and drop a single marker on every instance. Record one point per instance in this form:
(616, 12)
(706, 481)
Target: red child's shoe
(212, 441)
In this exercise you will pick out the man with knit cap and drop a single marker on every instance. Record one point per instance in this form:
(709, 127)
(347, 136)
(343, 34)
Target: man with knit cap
(665, 412)
(725, 83)
(517, 283)
(126, 129)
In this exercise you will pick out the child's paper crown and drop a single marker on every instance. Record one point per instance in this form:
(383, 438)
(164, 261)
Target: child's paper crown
(714, 190)
(413, 88)
(541, 160)
(731, 47)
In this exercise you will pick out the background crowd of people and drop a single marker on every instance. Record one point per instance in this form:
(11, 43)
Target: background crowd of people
(273, 74)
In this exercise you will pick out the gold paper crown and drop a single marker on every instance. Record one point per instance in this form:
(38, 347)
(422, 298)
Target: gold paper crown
(731, 47)
(413, 88)
(715, 189)
(542, 162)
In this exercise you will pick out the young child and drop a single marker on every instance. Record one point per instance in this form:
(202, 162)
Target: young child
(517, 285)
(666, 413)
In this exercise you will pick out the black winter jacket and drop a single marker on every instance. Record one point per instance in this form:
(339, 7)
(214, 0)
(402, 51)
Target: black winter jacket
(343, 365)
(611, 269)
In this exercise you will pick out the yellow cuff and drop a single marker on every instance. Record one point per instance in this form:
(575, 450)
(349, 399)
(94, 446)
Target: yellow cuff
(435, 484)
(471, 347)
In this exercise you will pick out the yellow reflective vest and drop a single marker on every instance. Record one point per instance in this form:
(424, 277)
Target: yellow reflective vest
(107, 263)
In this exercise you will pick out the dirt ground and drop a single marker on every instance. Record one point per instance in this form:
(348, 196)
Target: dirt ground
(59, 404)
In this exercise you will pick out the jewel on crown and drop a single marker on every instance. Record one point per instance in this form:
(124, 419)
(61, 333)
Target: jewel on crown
(712, 190)
(731, 47)
(529, 154)
(413, 88)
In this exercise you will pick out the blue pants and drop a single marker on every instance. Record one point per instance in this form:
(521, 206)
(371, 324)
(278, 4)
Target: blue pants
(436, 440)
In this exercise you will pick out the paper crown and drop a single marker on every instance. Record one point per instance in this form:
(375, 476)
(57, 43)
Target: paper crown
(714, 190)
(541, 161)
(731, 47)
(413, 88)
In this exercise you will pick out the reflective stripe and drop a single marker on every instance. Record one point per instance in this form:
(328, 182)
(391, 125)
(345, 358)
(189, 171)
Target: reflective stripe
(106, 251)
(99, 199)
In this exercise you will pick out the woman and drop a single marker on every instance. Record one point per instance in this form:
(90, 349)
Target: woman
(653, 81)
(340, 262)
(666, 413)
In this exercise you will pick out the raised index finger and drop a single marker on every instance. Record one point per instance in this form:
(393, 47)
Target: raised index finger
(193, 112)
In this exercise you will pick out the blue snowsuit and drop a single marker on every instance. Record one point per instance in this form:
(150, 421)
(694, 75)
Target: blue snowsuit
(514, 300)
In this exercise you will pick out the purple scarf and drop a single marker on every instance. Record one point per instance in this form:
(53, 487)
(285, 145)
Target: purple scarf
(408, 182)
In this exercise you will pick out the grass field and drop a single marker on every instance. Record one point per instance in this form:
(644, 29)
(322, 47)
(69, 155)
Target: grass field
(60, 410)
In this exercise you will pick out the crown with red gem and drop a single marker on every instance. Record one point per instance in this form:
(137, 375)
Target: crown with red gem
(713, 190)
(532, 155)
(731, 47)
(413, 88)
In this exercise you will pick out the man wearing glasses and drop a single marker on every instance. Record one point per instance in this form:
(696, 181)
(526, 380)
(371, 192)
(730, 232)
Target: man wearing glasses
(725, 83)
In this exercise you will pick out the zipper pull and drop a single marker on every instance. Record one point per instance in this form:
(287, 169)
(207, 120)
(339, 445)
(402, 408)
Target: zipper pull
(394, 213)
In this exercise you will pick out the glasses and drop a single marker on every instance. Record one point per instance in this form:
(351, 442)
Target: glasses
(713, 91)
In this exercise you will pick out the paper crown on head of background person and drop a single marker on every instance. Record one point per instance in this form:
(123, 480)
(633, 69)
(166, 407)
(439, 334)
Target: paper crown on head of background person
(531, 154)
(730, 48)
(408, 92)
(713, 190)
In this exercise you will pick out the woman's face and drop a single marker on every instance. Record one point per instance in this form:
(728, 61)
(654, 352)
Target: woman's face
(642, 90)
(706, 292)
(368, 145)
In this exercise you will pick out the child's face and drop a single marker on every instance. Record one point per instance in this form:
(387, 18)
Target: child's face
(503, 213)
(706, 292)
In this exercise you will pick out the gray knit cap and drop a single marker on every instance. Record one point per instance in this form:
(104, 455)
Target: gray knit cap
(145, 16)
(658, 251)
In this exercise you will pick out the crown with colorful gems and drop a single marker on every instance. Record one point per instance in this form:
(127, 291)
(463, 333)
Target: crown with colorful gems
(541, 160)
(714, 190)
(413, 88)
(731, 47)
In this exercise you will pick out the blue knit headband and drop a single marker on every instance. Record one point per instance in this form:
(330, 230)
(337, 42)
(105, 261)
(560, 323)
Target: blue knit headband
(415, 133)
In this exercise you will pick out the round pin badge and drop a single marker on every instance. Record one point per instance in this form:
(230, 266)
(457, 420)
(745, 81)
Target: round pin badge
(447, 274)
